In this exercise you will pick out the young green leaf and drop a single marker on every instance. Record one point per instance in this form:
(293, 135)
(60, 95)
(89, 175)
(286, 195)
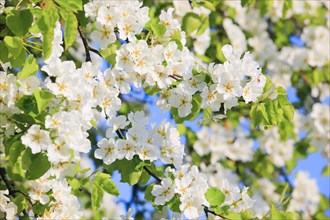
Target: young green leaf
(43, 98)
(97, 196)
(190, 22)
(214, 196)
(103, 180)
(14, 45)
(19, 22)
(30, 68)
(70, 28)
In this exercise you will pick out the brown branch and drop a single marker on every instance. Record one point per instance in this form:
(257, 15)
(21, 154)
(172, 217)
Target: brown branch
(159, 180)
(95, 51)
(84, 40)
(11, 189)
(206, 210)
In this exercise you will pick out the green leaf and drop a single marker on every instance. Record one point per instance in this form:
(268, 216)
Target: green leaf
(174, 203)
(326, 170)
(286, 7)
(71, 5)
(35, 165)
(30, 68)
(247, 2)
(4, 52)
(14, 45)
(38, 208)
(152, 90)
(47, 44)
(190, 22)
(15, 151)
(277, 214)
(209, 5)
(181, 129)
(43, 98)
(158, 29)
(19, 22)
(144, 178)
(204, 24)
(73, 182)
(103, 180)
(21, 202)
(130, 170)
(258, 114)
(280, 91)
(109, 54)
(97, 196)
(214, 196)
(70, 29)
(28, 104)
(265, 6)
(147, 194)
(286, 130)
(46, 24)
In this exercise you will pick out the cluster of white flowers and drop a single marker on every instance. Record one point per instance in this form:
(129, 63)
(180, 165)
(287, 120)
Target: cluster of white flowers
(216, 173)
(316, 126)
(112, 16)
(264, 197)
(235, 78)
(137, 62)
(172, 26)
(317, 40)
(228, 182)
(305, 196)
(63, 204)
(161, 142)
(278, 151)
(281, 62)
(189, 184)
(6, 206)
(223, 142)
(10, 93)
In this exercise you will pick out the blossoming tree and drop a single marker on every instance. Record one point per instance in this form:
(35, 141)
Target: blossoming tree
(72, 76)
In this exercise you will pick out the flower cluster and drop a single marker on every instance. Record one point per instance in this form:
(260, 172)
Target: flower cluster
(189, 184)
(6, 206)
(315, 126)
(63, 204)
(161, 142)
(281, 62)
(224, 142)
(278, 151)
(111, 17)
(305, 196)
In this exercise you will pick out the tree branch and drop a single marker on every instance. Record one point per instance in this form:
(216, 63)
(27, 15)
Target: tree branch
(207, 210)
(95, 51)
(84, 40)
(11, 189)
(159, 180)
(6, 181)
(152, 174)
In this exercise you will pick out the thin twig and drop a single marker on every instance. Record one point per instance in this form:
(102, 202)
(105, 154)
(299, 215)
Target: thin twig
(95, 51)
(6, 181)
(84, 40)
(152, 174)
(11, 189)
(206, 210)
